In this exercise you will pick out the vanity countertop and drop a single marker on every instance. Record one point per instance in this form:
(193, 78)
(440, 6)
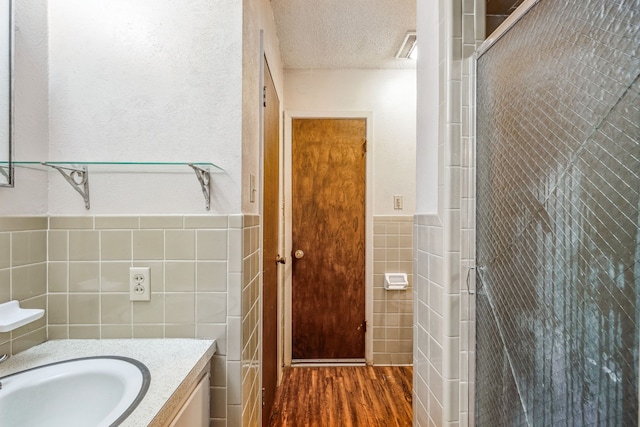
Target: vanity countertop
(174, 364)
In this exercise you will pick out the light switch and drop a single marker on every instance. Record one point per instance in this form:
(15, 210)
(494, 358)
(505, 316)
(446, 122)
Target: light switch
(252, 188)
(397, 202)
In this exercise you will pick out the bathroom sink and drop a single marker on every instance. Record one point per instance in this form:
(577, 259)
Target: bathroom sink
(93, 391)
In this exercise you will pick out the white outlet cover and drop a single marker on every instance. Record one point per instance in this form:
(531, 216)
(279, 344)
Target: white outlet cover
(140, 284)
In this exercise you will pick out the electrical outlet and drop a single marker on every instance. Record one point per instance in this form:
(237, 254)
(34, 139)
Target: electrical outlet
(139, 284)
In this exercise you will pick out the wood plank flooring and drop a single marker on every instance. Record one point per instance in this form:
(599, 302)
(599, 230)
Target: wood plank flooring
(354, 396)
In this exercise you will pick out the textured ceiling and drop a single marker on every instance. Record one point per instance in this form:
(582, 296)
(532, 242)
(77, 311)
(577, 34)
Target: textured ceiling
(343, 33)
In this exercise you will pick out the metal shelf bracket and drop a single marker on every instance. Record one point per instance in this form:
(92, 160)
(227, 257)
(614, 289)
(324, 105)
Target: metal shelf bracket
(78, 178)
(204, 178)
(5, 171)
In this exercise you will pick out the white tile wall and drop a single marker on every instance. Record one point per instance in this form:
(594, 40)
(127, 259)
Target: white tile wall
(444, 325)
(250, 326)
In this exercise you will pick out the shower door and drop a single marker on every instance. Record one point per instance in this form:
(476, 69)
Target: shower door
(558, 199)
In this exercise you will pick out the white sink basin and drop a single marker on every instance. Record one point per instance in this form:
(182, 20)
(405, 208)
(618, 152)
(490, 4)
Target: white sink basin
(95, 391)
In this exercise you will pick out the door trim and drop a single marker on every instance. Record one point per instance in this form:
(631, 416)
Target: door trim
(287, 309)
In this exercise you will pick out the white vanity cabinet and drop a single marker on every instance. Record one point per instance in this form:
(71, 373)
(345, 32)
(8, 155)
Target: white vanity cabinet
(195, 410)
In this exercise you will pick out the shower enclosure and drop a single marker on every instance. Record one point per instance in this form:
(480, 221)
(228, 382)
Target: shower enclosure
(558, 202)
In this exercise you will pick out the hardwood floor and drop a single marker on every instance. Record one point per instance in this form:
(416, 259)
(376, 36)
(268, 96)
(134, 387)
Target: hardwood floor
(360, 396)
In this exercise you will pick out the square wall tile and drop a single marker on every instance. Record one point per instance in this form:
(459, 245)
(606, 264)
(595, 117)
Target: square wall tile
(57, 309)
(84, 309)
(211, 276)
(115, 245)
(211, 308)
(212, 245)
(180, 308)
(84, 245)
(149, 312)
(179, 276)
(28, 281)
(180, 244)
(28, 247)
(148, 244)
(114, 276)
(115, 309)
(58, 245)
(84, 276)
(58, 277)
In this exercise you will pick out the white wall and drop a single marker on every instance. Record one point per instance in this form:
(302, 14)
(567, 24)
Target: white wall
(259, 36)
(387, 99)
(146, 80)
(391, 96)
(5, 77)
(140, 81)
(29, 197)
(428, 106)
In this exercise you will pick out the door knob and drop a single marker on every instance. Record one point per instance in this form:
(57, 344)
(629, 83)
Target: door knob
(298, 254)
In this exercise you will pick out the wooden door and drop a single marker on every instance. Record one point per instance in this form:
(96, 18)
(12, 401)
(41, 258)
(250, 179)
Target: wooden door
(328, 283)
(271, 193)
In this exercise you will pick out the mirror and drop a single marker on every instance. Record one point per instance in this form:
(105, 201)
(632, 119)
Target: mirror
(6, 86)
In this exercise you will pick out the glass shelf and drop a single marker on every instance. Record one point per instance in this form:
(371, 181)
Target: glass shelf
(77, 173)
(144, 167)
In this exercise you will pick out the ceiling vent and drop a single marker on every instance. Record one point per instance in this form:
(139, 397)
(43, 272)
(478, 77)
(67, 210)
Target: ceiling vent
(408, 47)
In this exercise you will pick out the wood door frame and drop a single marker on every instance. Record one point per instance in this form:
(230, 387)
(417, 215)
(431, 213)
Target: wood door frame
(288, 244)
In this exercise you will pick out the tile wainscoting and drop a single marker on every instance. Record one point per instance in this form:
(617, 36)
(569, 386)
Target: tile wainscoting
(204, 284)
(444, 251)
(23, 277)
(392, 310)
